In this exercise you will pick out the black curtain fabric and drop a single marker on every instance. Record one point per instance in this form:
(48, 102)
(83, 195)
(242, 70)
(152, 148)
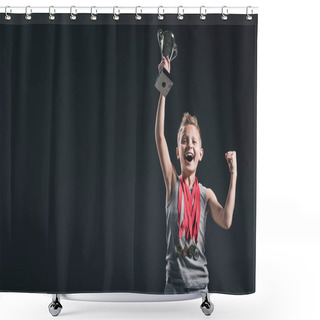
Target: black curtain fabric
(82, 196)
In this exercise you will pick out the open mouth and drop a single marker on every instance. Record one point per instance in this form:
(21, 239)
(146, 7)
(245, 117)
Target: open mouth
(189, 156)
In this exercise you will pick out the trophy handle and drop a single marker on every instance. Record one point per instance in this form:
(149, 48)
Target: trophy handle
(160, 40)
(174, 52)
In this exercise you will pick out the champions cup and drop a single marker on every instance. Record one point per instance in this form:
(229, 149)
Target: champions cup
(167, 44)
(168, 48)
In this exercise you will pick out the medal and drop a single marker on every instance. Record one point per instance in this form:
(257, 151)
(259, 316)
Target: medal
(196, 254)
(191, 251)
(185, 250)
(179, 249)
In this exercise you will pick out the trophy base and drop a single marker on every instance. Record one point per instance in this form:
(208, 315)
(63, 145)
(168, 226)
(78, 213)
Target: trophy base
(163, 83)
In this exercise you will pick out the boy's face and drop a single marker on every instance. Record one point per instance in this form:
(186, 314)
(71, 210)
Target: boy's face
(189, 150)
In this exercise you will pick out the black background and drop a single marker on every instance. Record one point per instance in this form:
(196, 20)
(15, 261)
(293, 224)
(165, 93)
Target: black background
(82, 197)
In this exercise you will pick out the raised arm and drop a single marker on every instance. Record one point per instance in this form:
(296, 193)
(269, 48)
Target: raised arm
(223, 216)
(168, 170)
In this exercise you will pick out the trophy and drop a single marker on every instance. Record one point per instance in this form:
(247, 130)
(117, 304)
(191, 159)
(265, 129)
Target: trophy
(168, 48)
(167, 44)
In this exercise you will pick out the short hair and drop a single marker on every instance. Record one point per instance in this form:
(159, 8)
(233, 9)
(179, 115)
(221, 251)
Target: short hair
(188, 119)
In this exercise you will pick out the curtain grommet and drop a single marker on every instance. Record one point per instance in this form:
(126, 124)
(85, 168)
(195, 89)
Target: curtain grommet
(73, 13)
(224, 13)
(180, 13)
(52, 12)
(138, 17)
(116, 15)
(160, 16)
(93, 16)
(203, 13)
(28, 13)
(249, 15)
(7, 10)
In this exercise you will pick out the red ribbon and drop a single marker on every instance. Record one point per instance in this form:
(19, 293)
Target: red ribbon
(191, 219)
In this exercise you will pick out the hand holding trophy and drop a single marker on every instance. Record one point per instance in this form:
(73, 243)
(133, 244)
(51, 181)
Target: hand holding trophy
(165, 63)
(169, 51)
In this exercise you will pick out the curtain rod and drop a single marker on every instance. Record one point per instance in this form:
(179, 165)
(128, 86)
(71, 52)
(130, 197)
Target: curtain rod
(129, 10)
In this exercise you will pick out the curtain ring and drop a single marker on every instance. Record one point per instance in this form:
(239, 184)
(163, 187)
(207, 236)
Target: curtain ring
(6, 10)
(93, 16)
(138, 16)
(28, 13)
(160, 16)
(249, 16)
(73, 13)
(203, 13)
(180, 13)
(52, 12)
(224, 13)
(116, 15)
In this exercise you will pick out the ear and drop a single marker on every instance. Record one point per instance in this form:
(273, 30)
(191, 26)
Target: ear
(201, 154)
(177, 153)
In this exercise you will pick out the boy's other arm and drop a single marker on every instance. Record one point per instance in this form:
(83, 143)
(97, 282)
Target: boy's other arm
(223, 216)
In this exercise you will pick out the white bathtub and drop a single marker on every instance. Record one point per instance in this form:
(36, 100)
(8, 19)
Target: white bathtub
(129, 297)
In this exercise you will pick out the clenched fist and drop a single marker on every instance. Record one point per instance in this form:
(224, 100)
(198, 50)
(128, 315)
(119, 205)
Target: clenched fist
(231, 158)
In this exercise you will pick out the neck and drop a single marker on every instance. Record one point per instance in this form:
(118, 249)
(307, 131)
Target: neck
(189, 179)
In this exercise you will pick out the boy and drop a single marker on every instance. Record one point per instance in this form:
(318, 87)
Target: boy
(188, 202)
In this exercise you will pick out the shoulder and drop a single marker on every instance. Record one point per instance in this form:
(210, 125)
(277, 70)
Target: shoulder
(212, 201)
(210, 195)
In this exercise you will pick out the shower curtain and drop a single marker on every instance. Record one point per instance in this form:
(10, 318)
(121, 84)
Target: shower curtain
(82, 194)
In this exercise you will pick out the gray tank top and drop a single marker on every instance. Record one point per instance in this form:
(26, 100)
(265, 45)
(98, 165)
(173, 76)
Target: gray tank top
(182, 270)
